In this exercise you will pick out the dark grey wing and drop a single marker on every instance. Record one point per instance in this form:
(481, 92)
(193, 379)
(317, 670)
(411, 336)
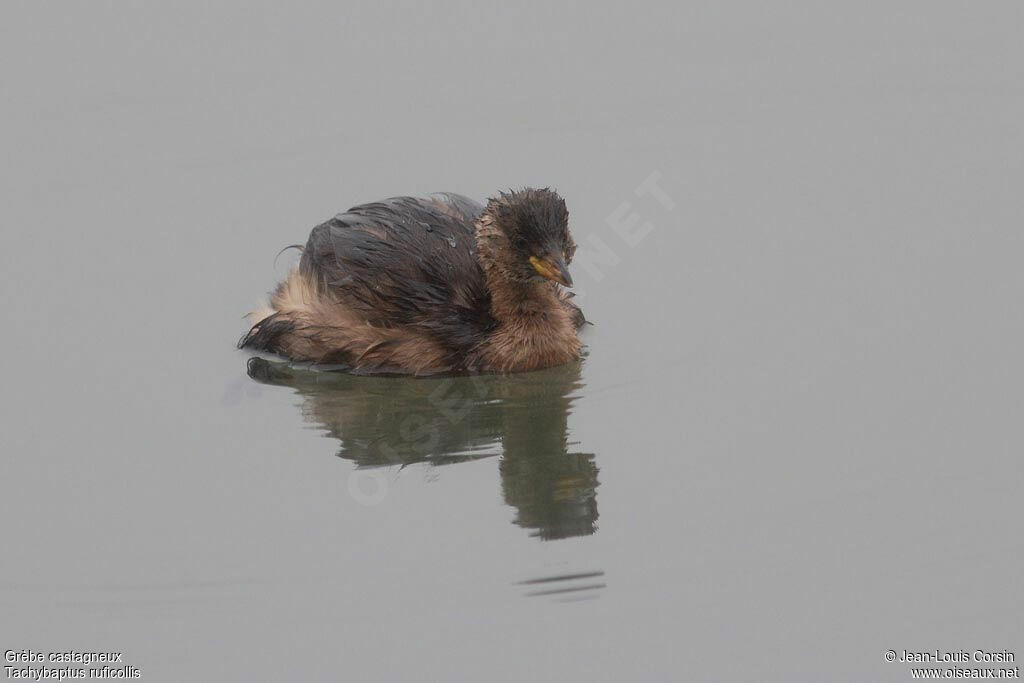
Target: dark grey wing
(456, 205)
(406, 261)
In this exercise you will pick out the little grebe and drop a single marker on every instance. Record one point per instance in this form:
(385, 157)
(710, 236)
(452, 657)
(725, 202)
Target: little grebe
(438, 284)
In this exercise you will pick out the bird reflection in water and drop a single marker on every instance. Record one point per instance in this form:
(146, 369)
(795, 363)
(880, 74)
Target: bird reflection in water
(388, 421)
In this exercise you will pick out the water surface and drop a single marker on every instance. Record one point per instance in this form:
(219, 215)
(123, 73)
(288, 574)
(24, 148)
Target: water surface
(793, 445)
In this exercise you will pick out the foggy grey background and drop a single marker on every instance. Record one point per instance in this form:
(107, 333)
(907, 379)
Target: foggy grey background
(803, 388)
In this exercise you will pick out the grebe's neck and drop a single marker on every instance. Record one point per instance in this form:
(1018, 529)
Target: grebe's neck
(535, 329)
(514, 295)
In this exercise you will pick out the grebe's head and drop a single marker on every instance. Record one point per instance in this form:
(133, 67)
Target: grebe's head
(535, 226)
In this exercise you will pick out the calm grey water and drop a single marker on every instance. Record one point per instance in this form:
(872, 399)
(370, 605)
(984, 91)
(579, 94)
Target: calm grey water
(794, 444)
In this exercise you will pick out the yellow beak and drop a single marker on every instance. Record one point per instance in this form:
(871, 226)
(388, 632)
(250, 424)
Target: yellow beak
(552, 268)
